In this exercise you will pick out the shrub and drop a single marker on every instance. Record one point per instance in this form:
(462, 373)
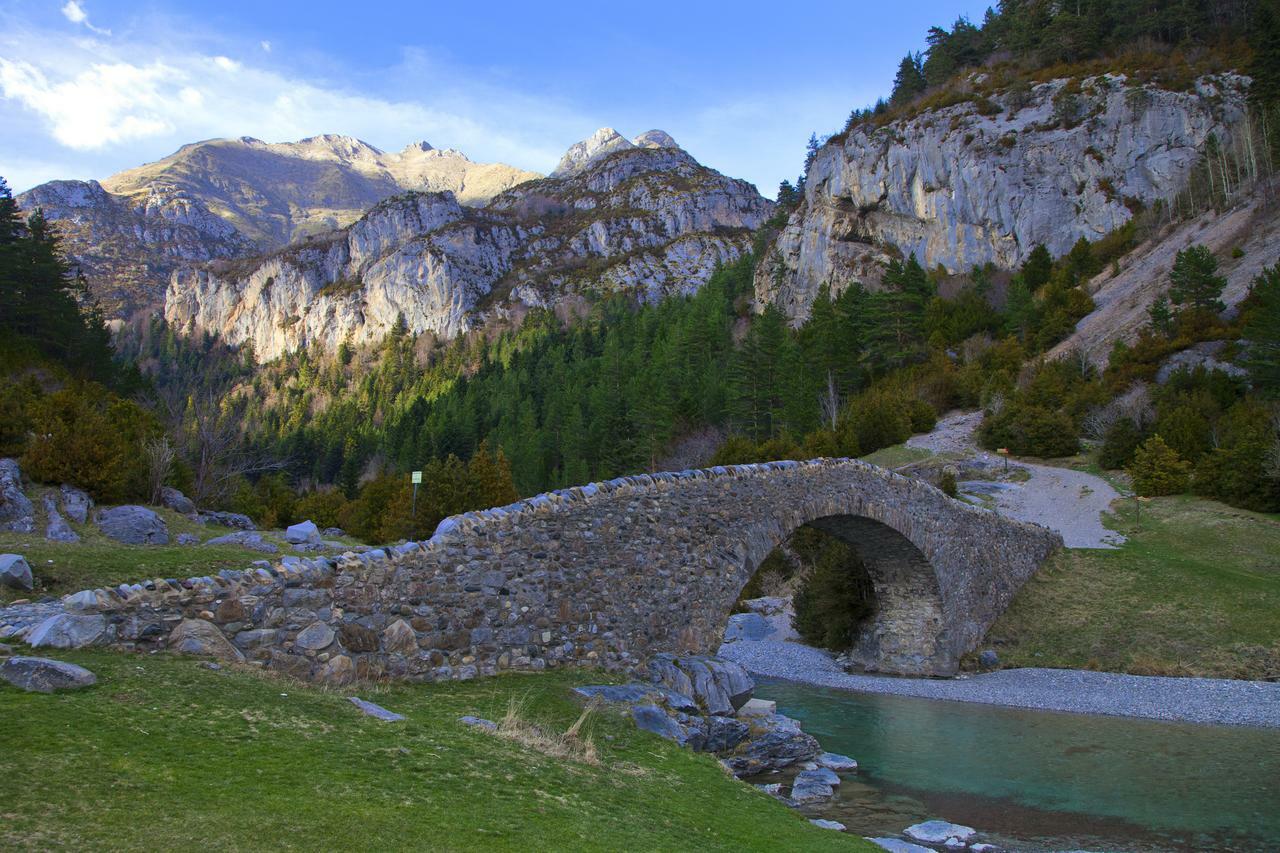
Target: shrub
(947, 482)
(835, 598)
(1186, 430)
(1158, 470)
(1030, 430)
(323, 506)
(1118, 445)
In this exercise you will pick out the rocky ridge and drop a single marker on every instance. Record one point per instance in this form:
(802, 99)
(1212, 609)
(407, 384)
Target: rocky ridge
(989, 179)
(229, 198)
(645, 219)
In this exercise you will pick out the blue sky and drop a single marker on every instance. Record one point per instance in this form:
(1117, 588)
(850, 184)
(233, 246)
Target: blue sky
(90, 87)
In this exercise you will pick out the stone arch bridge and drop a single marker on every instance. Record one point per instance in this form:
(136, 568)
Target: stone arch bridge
(602, 574)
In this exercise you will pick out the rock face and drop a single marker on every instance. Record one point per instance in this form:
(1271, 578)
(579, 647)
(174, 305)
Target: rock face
(76, 503)
(16, 512)
(228, 198)
(15, 573)
(958, 188)
(133, 525)
(42, 675)
(645, 220)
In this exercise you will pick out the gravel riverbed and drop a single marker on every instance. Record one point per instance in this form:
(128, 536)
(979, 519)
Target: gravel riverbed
(1192, 700)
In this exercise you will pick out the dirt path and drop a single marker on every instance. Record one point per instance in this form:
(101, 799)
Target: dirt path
(1070, 502)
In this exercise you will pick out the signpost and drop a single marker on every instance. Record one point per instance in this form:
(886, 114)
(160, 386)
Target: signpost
(1004, 451)
(417, 481)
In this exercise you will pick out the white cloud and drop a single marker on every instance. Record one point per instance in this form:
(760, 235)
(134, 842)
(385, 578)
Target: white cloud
(226, 63)
(76, 14)
(265, 45)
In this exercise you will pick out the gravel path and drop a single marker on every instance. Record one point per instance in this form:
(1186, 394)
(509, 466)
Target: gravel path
(1070, 502)
(1193, 700)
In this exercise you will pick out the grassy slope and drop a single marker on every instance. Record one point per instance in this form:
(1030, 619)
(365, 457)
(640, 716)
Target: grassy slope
(164, 753)
(1195, 591)
(61, 567)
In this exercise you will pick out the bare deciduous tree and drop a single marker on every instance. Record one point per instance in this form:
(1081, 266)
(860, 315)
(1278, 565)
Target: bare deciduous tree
(159, 454)
(214, 444)
(829, 401)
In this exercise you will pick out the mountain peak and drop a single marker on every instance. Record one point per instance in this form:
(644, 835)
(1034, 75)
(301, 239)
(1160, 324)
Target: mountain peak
(654, 139)
(604, 141)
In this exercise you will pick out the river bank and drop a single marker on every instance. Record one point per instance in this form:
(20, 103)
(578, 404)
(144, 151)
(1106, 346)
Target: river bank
(1193, 700)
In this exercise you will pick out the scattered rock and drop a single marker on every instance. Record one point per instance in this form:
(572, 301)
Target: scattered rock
(720, 687)
(84, 601)
(758, 708)
(333, 532)
(133, 525)
(897, 845)
(939, 832)
(14, 572)
(187, 539)
(723, 734)
(747, 626)
(42, 675)
(983, 848)
(988, 659)
(16, 512)
(198, 637)
(638, 692)
(245, 539)
(1199, 355)
(76, 503)
(177, 501)
(303, 532)
(827, 824)
(229, 519)
(315, 636)
(836, 761)
(779, 744)
(479, 723)
(56, 528)
(821, 774)
(377, 711)
(773, 789)
(651, 718)
(65, 631)
(809, 787)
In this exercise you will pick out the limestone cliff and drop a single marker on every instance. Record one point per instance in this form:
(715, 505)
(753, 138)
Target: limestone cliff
(643, 219)
(227, 198)
(987, 179)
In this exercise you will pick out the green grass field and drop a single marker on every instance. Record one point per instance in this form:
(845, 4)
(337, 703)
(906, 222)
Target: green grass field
(1195, 591)
(164, 753)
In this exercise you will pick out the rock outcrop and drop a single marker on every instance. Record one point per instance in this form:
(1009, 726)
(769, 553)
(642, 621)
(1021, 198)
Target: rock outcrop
(16, 512)
(229, 198)
(133, 525)
(648, 220)
(987, 180)
(43, 675)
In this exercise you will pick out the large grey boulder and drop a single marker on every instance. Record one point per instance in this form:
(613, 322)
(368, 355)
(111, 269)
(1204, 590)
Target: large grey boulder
(67, 631)
(56, 528)
(200, 637)
(638, 693)
(809, 788)
(245, 539)
(651, 718)
(175, 500)
(940, 832)
(720, 687)
(15, 573)
(16, 512)
(302, 532)
(747, 626)
(42, 675)
(133, 525)
(76, 503)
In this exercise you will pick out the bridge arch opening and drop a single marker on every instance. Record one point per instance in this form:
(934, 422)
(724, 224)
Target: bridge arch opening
(900, 628)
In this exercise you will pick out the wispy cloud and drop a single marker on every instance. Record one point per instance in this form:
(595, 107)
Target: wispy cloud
(76, 14)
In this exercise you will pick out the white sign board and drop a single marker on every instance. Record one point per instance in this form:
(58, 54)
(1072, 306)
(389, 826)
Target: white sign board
(417, 477)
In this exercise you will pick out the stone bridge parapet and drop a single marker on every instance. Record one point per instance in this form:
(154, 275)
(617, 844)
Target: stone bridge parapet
(604, 574)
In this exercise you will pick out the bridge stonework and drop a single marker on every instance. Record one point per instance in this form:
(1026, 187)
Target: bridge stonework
(604, 574)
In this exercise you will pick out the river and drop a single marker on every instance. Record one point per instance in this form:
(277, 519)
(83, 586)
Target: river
(1038, 781)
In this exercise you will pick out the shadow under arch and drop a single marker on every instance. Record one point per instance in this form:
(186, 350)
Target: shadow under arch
(906, 634)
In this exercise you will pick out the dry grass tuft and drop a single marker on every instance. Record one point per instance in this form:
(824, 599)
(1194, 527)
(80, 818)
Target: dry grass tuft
(572, 744)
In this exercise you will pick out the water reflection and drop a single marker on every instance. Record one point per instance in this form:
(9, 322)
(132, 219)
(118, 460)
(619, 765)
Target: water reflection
(1047, 779)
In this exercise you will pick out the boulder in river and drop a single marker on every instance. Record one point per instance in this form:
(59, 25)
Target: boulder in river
(15, 573)
(897, 845)
(133, 525)
(43, 675)
(720, 687)
(776, 742)
(940, 832)
(810, 787)
(836, 761)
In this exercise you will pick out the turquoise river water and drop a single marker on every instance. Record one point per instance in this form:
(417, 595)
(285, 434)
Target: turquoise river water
(1035, 780)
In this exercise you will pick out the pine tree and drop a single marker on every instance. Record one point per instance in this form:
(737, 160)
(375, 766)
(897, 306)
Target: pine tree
(1195, 280)
(909, 81)
(1161, 317)
(1262, 330)
(1036, 269)
(1157, 469)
